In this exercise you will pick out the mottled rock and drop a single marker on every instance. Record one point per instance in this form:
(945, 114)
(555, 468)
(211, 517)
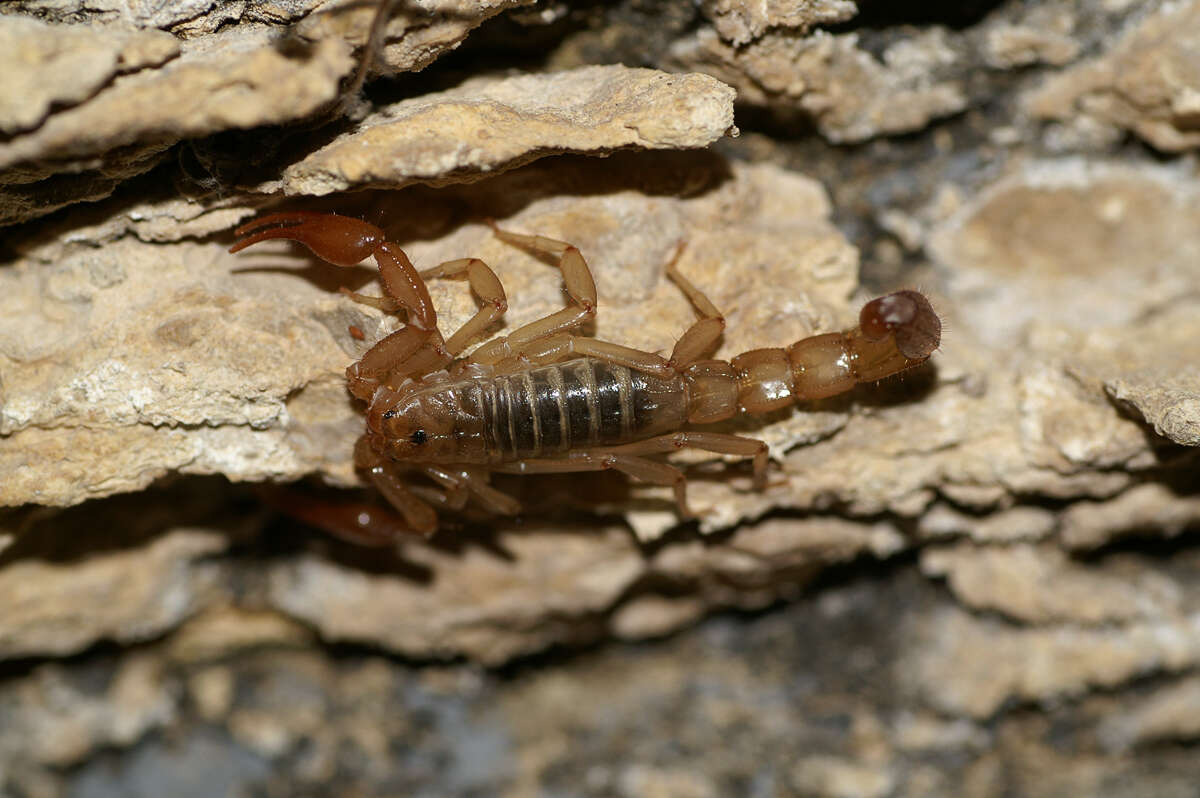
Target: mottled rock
(973, 666)
(740, 21)
(539, 589)
(62, 608)
(234, 79)
(1147, 82)
(63, 721)
(492, 124)
(417, 33)
(850, 95)
(1075, 244)
(1167, 713)
(1039, 585)
(47, 66)
(1042, 34)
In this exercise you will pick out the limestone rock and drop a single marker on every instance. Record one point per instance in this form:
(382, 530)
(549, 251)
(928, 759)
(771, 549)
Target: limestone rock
(59, 609)
(851, 95)
(1039, 585)
(972, 665)
(49, 66)
(417, 32)
(231, 80)
(488, 125)
(1148, 82)
(739, 21)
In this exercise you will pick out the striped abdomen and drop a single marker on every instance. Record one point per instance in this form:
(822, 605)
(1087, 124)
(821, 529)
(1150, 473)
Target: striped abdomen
(576, 404)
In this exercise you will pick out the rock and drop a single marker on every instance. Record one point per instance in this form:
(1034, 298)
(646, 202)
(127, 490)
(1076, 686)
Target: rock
(740, 22)
(973, 666)
(488, 125)
(231, 80)
(59, 609)
(1147, 82)
(1039, 585)
(417, 33)
(1038, 34)
(50, 65)
(850, 95)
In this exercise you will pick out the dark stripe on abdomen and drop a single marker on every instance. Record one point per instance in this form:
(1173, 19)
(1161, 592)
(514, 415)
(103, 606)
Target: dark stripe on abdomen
(578, 404)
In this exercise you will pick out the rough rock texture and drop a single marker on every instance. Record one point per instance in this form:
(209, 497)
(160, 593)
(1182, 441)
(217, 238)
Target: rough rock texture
(593, 109)
(850, 94)
(978, 579)
(739, 22)
(1148, 82)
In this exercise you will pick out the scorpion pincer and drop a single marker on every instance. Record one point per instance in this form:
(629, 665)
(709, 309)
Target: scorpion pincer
(543, 399)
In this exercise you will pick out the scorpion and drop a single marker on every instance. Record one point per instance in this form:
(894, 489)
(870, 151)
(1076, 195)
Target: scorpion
(545, 399)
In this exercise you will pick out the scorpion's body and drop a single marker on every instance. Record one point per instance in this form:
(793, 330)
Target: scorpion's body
(543, 399)
(483, 418)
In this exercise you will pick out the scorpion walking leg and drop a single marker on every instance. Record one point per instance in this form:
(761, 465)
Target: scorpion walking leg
(420, 517)
(637, 467)
(487, 287)
(581, 288)
(460, 484)
(703, 334)
(547, 340)
(717, 442)
(561, 346)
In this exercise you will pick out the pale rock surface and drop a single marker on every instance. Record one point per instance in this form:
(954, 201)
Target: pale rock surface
(487, 125)
(972, 665)
(47, 65)
(1039, 34)
(741, 21)
(851, 95)
(1148, 82)
(88, 107)
(1039, 584)
(62, 722)
(417, 32)
(129, 595)
(230, 80)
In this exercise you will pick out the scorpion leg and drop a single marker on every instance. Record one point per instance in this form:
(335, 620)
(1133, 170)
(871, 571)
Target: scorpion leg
(717, 442)
(461, 484)
(419, 516)
(547, 340)
(703, 334)
(637, 467)
(581, 288)
(563, 345)
(487, 287)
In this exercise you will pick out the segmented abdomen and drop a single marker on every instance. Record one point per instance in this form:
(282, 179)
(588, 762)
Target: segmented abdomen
(576, 404)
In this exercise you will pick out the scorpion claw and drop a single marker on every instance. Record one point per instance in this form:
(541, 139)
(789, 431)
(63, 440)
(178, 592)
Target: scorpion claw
(340, 240)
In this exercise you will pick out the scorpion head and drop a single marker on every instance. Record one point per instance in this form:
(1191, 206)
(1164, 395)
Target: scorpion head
(420, 426)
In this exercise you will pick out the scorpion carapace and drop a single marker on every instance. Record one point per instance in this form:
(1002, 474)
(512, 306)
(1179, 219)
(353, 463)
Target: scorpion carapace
(543, 399)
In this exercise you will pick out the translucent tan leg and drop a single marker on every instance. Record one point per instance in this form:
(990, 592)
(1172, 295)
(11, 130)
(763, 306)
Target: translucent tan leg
(563, 345)
(487, 287)
(702, 335)
(470, 482)
(636, 467)
(581, 288)
(707, 441)
(419, 516)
